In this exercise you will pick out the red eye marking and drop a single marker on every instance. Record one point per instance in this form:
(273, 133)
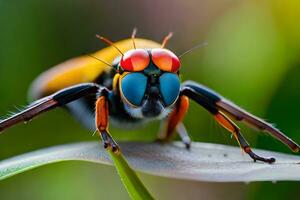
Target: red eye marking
(135, 60)
(165, 60)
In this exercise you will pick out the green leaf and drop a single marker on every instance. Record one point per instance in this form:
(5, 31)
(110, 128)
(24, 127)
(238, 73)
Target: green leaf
(132, 183)
(204, 162)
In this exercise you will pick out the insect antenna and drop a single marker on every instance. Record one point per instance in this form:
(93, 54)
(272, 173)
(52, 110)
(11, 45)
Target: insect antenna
(133, 37)
(103, 61)
(107, 41)
(166, 39)
(203, 44)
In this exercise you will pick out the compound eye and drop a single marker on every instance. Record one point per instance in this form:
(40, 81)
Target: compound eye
(165, 60)
(135, 60)
(133, 88)
(169, 86)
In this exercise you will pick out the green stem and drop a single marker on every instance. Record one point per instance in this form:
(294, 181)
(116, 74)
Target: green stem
(133, 185)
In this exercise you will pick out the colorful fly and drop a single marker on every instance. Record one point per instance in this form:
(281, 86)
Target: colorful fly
(136, 80)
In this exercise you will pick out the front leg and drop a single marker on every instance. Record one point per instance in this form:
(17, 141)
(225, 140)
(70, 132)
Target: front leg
(174, 121)
(101, 119)
(58, 99)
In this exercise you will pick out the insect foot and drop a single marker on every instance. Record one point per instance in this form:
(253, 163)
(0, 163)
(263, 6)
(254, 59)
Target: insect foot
(257, 157)
(109, 143)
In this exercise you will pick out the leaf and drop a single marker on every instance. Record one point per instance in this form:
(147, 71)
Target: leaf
(132, 183)
(204, 162)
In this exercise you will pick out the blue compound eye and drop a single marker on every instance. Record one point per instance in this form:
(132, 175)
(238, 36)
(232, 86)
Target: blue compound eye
(169, 86)
(133, 88)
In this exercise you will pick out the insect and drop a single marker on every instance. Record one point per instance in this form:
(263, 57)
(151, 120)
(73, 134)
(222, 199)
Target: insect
(131, 82)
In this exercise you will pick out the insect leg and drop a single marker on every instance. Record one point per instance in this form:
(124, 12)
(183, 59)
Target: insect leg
(224, 121)
(183, 134)
(214, 101)
(47, 103)
(247, 118)
(101, 120)
(174, 121)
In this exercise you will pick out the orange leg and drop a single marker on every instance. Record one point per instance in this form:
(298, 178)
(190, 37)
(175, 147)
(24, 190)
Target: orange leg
(224, 121)
(101, 119)
(221, 108)
(174, 121)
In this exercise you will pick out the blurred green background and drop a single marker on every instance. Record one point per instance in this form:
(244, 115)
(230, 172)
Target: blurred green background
(252, 58)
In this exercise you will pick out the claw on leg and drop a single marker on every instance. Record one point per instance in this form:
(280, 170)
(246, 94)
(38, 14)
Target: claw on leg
(109, 143)
(224, 121)
(256, 157)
